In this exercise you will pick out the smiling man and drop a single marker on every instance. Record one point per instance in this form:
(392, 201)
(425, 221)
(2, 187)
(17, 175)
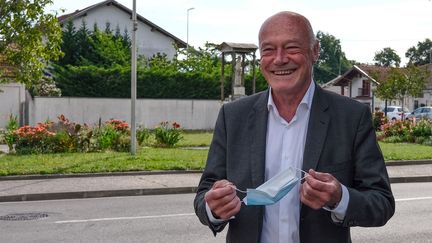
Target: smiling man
(294, 124)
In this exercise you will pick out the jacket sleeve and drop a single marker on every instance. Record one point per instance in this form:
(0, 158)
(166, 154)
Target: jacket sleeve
(371, 200)
(215, 170)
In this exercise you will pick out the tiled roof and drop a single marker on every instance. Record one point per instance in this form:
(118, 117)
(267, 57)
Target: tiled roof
(348, 75)
(374, 73)
(237, 47)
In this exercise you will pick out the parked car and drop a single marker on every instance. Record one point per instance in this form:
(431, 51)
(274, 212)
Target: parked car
(421, 113)
(396, 112)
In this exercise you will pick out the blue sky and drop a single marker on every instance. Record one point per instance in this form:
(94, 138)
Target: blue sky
(363, 26)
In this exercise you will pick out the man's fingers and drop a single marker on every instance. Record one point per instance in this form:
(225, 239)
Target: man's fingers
(222, 199)
(221, 183)
(320, 176)
(320, 189)
(229, 209)
(320, 181)
(311, 197)
(219, 193)
(307, 199)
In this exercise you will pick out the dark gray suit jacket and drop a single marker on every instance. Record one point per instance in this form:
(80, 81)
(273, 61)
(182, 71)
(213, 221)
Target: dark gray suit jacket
(340, 141)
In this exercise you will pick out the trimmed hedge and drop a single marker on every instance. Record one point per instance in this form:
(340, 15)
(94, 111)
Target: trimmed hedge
(114, 82)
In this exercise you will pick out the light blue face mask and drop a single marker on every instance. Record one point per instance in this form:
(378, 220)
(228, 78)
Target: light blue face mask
(274, 189)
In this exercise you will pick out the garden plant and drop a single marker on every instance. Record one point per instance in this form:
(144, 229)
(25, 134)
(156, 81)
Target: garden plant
(65, 136)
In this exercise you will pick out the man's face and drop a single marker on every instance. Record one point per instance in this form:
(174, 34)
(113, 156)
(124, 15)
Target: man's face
(287, 55)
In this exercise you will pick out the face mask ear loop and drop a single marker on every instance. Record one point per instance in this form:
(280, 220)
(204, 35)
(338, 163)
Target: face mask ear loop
(245, 192)
(238, 189)
(305, 173)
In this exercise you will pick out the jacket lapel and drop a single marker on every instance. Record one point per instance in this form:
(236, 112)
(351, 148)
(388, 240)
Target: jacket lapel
(317, 130)
(257, 126)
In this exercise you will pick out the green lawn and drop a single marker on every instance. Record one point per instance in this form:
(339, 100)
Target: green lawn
(405, 151)
(148, 158)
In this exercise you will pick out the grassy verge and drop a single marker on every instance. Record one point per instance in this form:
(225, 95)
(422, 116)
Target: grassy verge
(148, 158)
(145, 159)
(405, 151)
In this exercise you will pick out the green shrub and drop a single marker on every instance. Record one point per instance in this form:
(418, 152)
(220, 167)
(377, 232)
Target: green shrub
(107, 137)
(393, 139)
(123, 143)
(9, 135)
(427, 141)
(61, 142)
(114, 135)
(397, 128)
(2, 136)
(33, 140)
(64, 136)
(166, 135)
(422, 128)
(407, 131)
(379, 119)
(142, 135)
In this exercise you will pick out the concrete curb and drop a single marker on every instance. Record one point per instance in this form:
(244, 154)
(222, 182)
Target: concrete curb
(411, 179)
(126, 173)
(96, 194)
(152, 191)
(162, 172)
(143, 192)
(408, 162)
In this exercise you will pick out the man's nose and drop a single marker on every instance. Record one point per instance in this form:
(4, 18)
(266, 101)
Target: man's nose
(281, 57)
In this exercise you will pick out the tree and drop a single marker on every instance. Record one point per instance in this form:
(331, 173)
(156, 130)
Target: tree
(387, 57)
(401, 83)
(332, 61)
(420, 55)
(29, 39)
(97, 47)
(69, 46)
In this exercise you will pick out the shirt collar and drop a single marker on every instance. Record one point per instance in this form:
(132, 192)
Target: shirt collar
(307, 98)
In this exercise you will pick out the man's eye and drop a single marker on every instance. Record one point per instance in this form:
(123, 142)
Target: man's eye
(267, 51)
(293, 49)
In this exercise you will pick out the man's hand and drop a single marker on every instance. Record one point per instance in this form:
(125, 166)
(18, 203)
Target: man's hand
(320, 189)
(223, 200)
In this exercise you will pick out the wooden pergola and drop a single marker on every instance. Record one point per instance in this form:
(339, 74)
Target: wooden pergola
(243, 49)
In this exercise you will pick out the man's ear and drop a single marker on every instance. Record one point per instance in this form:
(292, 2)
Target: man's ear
(316, 51)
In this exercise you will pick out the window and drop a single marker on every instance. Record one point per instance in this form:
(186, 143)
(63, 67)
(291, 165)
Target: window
(366, 88)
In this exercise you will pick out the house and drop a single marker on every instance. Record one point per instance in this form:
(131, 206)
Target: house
(359, 83)
(425, 98)
(151, 39)
(355, 83)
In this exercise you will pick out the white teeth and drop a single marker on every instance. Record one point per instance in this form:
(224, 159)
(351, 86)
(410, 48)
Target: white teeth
(283, 72)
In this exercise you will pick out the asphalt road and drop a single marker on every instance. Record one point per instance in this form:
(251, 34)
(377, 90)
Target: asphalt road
(170, 218)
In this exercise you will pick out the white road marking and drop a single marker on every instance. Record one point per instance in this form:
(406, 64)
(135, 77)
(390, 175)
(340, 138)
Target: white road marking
(175, 215)
(413, 199)
(125, 218)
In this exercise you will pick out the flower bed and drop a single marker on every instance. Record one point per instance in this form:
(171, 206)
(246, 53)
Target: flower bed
(65, 136)
(408, 131)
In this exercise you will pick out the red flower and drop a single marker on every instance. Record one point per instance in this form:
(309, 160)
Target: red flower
(175, 125)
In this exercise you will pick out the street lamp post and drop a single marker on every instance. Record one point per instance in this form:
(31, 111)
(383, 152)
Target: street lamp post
(187, 28)
(133, 79)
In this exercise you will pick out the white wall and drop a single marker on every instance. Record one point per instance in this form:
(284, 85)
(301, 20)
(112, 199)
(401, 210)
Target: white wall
(337, 89)
(191, 114)
(148, 42)
(12, 98)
